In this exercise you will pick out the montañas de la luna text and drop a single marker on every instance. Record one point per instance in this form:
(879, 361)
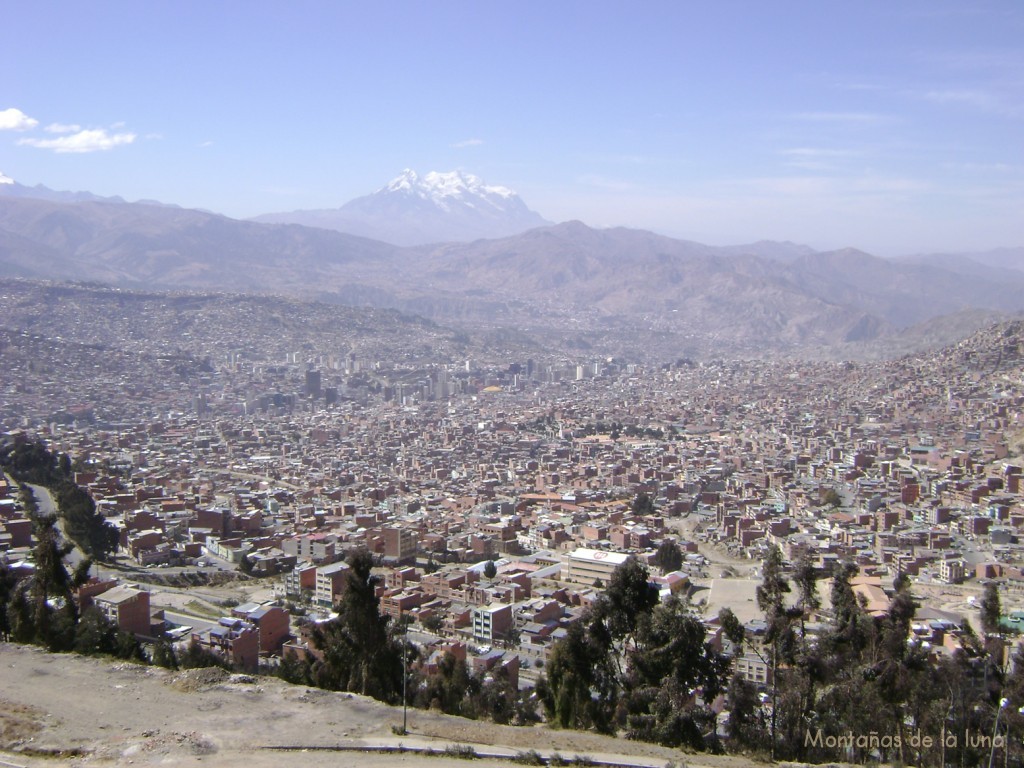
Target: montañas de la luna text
(914, 740)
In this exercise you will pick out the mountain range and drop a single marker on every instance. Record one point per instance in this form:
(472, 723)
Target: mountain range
(611, 290)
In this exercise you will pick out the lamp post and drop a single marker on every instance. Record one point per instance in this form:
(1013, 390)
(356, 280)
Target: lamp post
(995, 731)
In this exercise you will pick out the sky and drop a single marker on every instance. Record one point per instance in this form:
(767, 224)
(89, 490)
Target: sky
(893, 127)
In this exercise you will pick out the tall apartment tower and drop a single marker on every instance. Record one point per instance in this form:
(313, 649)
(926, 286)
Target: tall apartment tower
(313, 384)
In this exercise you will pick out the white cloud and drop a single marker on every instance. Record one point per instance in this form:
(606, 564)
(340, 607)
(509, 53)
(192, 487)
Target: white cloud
(94, 140)
(983, 100)
(983, 167)
(15, 120)
(61, 128)
(205, 144)
(972, 97)
(842, 117)
(815, 152)
(467, 143)
(817, 159)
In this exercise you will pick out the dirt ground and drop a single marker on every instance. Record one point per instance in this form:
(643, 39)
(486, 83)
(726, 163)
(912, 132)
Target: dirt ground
(61, 709)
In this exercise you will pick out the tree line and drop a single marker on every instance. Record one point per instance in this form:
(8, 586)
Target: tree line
(854, 686)
(29, 461)
(361, 650)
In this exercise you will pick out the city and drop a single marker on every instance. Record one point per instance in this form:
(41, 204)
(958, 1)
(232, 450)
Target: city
(497, 496)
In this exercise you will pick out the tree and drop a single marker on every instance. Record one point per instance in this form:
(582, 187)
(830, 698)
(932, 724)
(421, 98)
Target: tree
(164, 655)
(670, 645)
(433, 622)
(451, 688)
(771, 600)
(991, 609)
(490, 569)
(360, 654)
(669, 556)
(731, 627)
(294, 670)
(195, 656)
(773, 588)
(746, 726)
(95, 634)
(83, 523)
(31, 462)
(643, 505)
(628, 596)
(805, 576)
(580, 688)
(8, 584)
(54, 611)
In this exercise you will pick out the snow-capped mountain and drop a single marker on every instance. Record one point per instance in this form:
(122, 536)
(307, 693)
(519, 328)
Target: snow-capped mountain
(444, 188)
(414, 210)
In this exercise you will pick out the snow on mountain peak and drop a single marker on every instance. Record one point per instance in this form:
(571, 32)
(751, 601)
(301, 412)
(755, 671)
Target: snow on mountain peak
(5, 179)
(438, 186)
(407, 180)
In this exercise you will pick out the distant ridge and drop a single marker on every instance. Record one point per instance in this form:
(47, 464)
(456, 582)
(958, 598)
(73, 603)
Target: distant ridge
(622, 290)
(11, 188)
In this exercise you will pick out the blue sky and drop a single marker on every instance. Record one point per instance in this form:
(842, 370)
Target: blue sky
(892, 127)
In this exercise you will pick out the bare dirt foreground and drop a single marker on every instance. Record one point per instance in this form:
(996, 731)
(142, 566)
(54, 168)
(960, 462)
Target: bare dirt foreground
(61, 709)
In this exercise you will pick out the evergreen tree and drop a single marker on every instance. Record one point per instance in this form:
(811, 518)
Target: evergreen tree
(490, 570)
(991, 609)
(778, 637)
(95, 635)
(497, 698)
(671, 644)
(643, 504)
(671, 662)
(848, 633)
(580, 688)
(805, 576)
(669, 556)
(731, 627)
(196, 657)
(164, 655)
(746, 728)
(54, 611)
(360, 653)
(629, 595)
(8, 584)
(19, 614)
(83, 522)
(451, 688)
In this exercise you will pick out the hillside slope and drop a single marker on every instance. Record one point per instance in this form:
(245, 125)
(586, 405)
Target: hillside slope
(125, 714)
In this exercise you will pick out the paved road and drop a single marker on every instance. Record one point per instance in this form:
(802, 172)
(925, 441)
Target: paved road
(48, 507)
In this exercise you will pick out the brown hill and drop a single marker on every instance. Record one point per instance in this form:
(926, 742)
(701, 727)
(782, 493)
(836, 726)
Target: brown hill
(620, 288)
